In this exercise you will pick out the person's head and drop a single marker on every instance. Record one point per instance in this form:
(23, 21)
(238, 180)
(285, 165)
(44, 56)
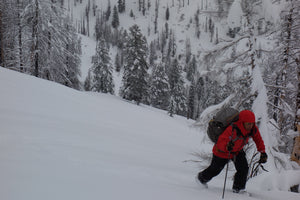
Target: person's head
(247, 118)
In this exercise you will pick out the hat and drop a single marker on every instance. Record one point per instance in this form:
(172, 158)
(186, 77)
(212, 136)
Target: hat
(247, 116)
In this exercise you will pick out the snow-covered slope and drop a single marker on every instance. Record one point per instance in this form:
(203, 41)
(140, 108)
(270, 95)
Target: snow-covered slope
(62, 144)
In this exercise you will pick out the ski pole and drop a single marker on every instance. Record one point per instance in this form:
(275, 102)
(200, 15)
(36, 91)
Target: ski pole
(226, 176)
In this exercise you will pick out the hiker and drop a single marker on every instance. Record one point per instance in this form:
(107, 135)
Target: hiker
(230, 145)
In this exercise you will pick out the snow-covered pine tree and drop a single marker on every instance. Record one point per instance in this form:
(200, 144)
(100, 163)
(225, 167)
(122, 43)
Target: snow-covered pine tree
(131, 14)
(121, 6)
(167, 13)
(108, 11)
(72, 59)
(135, 79)
(172, 47)
(152, 54)
(102, 80)
(9, 32)
(1, 34)
(43, 42)
(177, 88)
(20, 36)
(197, 23)
(88, 81)
(188, 50)
(191, 101)
(98, 26)
(115, 20)
(159, 87)
(117, 63)
(191, 69)
(143, 7)
(172, 106)
(156, 16)
(87, 16)
(283, 77)
(148, 4)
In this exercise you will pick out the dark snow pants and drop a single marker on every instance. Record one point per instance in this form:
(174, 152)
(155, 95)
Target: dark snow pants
(217, 164)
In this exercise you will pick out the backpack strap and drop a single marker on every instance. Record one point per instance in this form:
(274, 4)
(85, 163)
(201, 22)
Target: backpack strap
(240, 135)
(238, 131)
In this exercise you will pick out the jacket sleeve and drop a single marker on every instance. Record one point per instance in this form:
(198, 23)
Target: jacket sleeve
(258, 141)
(224, 138)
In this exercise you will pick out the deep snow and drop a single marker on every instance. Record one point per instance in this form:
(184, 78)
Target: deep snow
(62, 144)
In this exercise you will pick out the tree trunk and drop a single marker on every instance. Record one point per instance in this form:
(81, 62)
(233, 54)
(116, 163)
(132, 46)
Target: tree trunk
(1, 41)
(20, 37)
(35, 40)
(283, 77)
(297, 118)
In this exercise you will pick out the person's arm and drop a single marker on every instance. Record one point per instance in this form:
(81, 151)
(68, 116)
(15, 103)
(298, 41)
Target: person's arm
(258, 141)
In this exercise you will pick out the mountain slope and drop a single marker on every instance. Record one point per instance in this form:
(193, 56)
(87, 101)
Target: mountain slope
(59, 143)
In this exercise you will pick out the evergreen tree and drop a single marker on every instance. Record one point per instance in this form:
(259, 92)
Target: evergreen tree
(98, 26)
(94, 7)
(117, 63)
(172, 106)
(167, 13)
(124, 5)
(152, 56)
(191, 69)
(1, 34)
(135, 83)
(188, 51)
(149, 4)
(9, 24)
(143, 7)
(115, 21)
(51, 43)
(177, 88)
(197, 22)
(172, 47)
(88, 82)
(191, 101)
(72, 59)
(108, 11)
(284, 82)
(38, 39)
(87, 15)
(156, 16)
(201, 95)
(102, 69)
(131, 14)
(121, 6)
(159, 89)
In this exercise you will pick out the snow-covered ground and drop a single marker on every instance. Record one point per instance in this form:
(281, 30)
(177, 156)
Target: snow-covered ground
(61, 144)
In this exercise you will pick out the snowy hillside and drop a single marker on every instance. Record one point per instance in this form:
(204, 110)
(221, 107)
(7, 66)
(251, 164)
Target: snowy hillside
(205, 25)
(62, 144)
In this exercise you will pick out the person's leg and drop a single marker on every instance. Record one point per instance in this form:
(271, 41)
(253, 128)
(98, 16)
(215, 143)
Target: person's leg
(216, 166)
(240, 177)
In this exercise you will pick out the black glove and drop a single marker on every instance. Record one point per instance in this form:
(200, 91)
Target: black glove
(230, 145)
(263, 158)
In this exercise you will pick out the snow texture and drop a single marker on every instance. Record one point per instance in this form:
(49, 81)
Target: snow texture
(59, 143)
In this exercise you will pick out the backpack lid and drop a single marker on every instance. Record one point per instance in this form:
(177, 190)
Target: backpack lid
(227, 116)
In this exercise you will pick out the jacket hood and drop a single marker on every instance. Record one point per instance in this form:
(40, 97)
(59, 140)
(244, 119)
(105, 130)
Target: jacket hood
(247, 116)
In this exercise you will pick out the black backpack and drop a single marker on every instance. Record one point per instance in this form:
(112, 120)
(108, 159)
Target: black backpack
(222, 119)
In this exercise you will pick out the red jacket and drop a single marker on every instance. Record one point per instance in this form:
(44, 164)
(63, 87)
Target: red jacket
(219, 148)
